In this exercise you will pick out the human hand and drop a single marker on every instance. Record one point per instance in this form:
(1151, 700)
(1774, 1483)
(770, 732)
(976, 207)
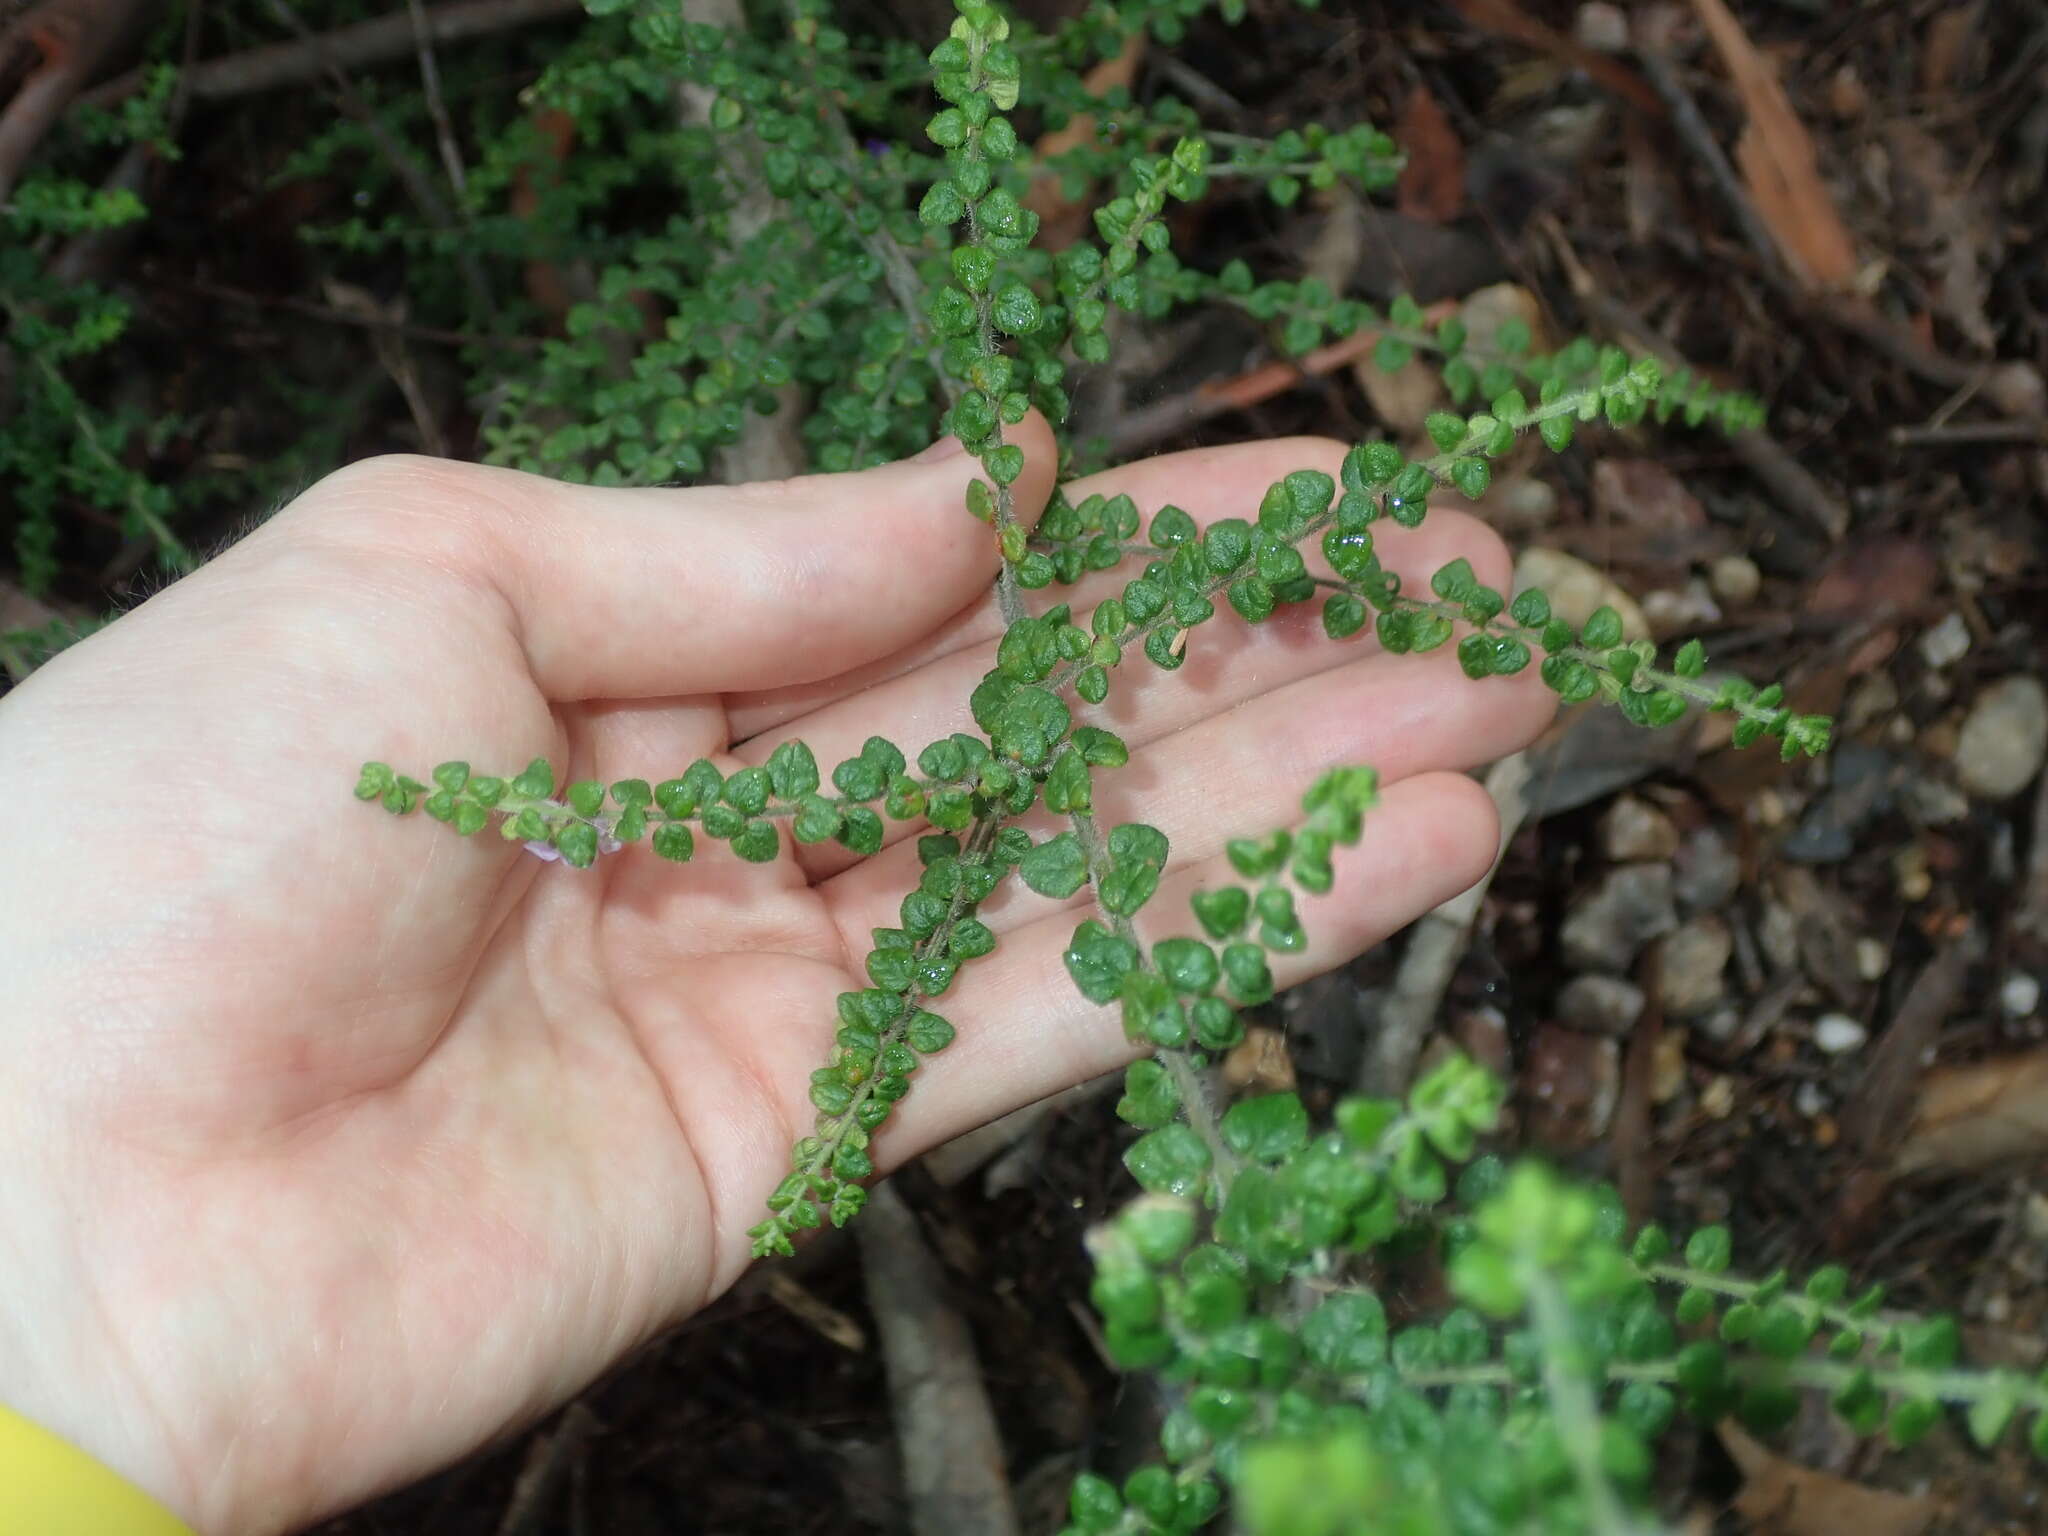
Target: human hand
(338, 1146)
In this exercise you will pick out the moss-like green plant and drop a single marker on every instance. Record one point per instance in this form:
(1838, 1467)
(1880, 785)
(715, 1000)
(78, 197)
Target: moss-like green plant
(899, 287)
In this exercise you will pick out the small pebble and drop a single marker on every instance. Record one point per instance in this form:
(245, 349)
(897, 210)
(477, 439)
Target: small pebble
(1946, 643)
(1876, 695)
(1846, 96)
(1768, 808)
(2004, 738)
(2020, 995)
(1680, 613)
(1909, 870)
(1609, 924)
(2034, 1217)
(1717, 1099)
(1634, 830)
(1809, 1100)
(1837, 1034)
(1872, 959)
(1706, 873)
(1778, 935)
(1722, 1025)
(1691, 966)
(1667, 1066)
(1603, 1005)
(1735, 579)
(1526, 503)
(1601, 27)
(1932, 803)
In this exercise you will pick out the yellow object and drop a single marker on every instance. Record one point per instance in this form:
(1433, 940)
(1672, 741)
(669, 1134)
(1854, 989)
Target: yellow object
(51, 1488)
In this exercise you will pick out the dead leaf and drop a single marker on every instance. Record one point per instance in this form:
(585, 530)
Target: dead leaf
(1404, 398)
(1778, 162)
(821, 1317)
(1504, 18)
(1872, 1114)
(1260, 1061)
(1643, 493)
(1432, 184)
(1949, 36)
(1954, 224)
(1978, 1114)
(1877, 578)
(1570, 1085)
(1786, 1499)
(1647, 184)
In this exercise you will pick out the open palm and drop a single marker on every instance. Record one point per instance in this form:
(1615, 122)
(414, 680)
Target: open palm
(339, 1145)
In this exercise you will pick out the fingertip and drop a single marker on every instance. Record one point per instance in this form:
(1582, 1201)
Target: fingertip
(1458, 825)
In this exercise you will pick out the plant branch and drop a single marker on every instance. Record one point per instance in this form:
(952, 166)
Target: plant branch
(1187, 1079)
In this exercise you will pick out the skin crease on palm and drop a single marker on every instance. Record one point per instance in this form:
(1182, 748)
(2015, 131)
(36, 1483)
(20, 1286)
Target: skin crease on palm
(338, 1145)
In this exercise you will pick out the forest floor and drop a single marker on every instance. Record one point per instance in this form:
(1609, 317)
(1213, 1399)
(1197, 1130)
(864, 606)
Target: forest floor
(1804, 1001)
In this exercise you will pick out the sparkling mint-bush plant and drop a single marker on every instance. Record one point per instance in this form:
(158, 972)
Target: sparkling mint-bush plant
(899, 288)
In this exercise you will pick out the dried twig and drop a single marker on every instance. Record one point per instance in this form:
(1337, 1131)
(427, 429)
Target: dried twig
(437, 109)
(88, 257)
(1694, 133)
(952, 1455)
(1873, 1117)
(56, 46)
(769, 447)
(1970, 434)
(2030, 919)
(1790, 483)
(547, 1458)
(328, 312)
(1505, 19)
(1778, 162)
(1635, 1172)
(1435, 946)
(1142, 428)
(418, 186)
(369, 42)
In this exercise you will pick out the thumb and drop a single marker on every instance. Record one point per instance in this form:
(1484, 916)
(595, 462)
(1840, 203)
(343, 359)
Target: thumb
(650, 593)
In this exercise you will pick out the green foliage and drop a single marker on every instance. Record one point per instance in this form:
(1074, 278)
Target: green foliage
(1248, 1273)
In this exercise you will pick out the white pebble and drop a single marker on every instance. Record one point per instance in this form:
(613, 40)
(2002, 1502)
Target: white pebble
(1872, 959)
(1735, 579)
(1947, 643)
(1601, 27)
(2020, 995)
(1809, 1100)
(1837, 1033)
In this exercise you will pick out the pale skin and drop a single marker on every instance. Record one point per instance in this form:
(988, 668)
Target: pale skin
(337, 1146)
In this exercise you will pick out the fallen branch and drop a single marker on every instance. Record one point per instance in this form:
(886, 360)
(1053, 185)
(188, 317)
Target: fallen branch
(1779, 164)
(369, 42)
(2019, 400)
(548, 1458)
(348, 317)
(1505, 19)
(1142, 428)
(1435, 946)
(1693, 132)
(1790, 483)
(952, 1455)
(57, 46)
